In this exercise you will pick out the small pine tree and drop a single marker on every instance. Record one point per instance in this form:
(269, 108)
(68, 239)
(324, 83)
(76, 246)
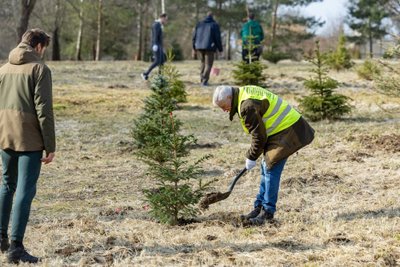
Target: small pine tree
(323, 103)
(160, 145)
(172, 76)
(249, 73)
(388, 82)
(175, 197)
(340, 59)
(147, 128)
(368, 70)
(274, 55)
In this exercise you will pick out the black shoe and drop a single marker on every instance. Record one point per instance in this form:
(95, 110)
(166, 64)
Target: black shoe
(262, 218)
(19, 254)
(254, 213)
(4, 244)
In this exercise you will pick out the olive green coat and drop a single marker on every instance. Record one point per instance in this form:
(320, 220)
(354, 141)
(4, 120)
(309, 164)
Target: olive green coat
(26, 107)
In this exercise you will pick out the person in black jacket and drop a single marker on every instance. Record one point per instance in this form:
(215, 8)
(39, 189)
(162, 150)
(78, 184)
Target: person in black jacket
(206, 40)
(156, 44)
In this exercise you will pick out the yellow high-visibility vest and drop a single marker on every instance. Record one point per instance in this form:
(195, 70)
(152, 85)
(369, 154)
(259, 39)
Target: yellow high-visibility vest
(279, 116)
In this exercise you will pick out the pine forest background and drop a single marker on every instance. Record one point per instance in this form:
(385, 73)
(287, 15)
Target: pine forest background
(121, 29)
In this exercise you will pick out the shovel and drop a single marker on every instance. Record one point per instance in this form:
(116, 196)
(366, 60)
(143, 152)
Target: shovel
(214, 197)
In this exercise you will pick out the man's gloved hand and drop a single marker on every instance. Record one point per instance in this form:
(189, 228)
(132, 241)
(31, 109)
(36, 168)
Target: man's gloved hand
(155, 48)
(250, 164)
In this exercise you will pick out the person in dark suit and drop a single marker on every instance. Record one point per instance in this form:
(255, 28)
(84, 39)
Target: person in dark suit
(156, 44)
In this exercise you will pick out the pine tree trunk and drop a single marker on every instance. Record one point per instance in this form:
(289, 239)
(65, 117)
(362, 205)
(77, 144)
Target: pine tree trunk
(370, 39)
(56, 46)
(274, 24)
(228, 45)
(56, 54)
(79, 39)
(27, 8)
(99, 22)
(146, 33)
(139, 32)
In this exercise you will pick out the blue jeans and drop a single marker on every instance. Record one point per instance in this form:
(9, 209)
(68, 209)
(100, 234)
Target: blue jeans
(20, 174)
(269, 186)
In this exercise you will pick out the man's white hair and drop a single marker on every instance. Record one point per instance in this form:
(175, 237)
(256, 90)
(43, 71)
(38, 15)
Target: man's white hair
(221, 93)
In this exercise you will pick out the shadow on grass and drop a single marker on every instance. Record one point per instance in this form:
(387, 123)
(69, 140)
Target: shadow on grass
(205, 145)
(370, 214)
(366, 119)
(192, 107)
(219, 248)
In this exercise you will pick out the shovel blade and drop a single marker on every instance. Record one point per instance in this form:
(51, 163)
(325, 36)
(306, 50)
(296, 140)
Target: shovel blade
(212, 198)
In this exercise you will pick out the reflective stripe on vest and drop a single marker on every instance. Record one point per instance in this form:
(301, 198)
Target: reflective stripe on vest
(279, 116)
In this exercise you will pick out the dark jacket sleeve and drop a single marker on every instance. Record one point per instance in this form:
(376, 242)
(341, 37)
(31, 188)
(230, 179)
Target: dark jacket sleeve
(217, 37)
(157, 34)
(251, 111)
(44, 107)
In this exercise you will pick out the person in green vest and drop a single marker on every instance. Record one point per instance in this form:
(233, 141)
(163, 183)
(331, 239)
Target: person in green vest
(252, 27)
(277, 131)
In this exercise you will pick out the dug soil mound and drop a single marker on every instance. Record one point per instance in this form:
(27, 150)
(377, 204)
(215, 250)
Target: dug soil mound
(389, 143)
(211, 198)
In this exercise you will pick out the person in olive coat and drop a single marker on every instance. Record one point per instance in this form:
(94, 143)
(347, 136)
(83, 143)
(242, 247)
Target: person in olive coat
(26, 133)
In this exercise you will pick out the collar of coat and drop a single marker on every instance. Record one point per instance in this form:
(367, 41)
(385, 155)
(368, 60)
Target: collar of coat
(235, 103)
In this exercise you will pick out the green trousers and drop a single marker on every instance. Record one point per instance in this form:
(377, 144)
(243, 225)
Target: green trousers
(20, 174)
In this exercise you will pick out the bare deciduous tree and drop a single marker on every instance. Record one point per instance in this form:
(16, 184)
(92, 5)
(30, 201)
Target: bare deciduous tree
(99, 22)
(27, 8)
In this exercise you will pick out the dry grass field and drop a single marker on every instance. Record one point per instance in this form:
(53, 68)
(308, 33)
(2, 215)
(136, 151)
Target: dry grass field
(339, 203)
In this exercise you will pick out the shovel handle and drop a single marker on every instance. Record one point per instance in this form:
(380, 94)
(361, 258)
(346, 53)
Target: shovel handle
(232, 185)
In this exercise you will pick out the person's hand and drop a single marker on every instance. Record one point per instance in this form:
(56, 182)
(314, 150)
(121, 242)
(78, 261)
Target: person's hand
(155, 48)
(250, 164)
(49, 158)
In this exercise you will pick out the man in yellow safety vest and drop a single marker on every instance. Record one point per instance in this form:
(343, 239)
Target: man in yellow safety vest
(277, 131)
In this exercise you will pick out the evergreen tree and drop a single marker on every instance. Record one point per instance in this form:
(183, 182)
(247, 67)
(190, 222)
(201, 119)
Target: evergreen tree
(340, 59)
(387, 82)
(175, 198)
(150, 126)
(160, 145)
(366, 18)
(249, 73)
(177, 87)
(323, 103)
(368, 70)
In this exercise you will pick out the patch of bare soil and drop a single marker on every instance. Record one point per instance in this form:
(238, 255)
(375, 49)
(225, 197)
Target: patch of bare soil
(358, 156)
(68, 250)
(389, 143)
(315, 180)
(223, 218)
(339, 239)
